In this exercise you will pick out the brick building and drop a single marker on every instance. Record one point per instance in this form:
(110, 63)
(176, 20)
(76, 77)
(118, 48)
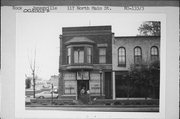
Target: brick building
(93, 58)
(85, 61)
(131, 50)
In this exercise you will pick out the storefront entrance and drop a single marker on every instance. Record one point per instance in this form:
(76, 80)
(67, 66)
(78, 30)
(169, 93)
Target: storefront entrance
(81, 84)
(108, 85)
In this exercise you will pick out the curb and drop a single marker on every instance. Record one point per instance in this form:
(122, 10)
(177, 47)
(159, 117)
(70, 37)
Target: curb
(93, 106)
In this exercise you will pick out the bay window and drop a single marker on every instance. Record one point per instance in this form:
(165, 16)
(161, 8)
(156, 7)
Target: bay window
(78, 55)
(89, 55)
(69, 56)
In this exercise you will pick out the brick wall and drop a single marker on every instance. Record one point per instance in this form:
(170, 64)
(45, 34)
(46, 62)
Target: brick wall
(129, 43)
(100, 35)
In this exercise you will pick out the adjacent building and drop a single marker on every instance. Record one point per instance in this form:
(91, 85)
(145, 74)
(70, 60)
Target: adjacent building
(128, 51)
(93, 58)
(54, 80)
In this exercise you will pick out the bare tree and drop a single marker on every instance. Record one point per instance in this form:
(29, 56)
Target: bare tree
(33, 70)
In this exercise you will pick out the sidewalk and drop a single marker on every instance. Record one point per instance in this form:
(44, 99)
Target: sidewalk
(98, 108)
(94, 106)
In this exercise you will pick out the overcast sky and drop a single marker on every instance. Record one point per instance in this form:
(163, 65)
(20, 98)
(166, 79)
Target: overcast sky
(41, 32)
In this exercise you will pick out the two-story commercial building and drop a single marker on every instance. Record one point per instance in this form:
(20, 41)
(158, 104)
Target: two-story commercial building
(128, 51)
(85, 61)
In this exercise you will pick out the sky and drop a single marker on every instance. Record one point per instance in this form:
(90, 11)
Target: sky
(39, 34)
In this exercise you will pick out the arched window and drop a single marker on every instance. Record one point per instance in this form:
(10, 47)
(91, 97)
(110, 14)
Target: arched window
(154, 53)
(122, 56)
(137, 55)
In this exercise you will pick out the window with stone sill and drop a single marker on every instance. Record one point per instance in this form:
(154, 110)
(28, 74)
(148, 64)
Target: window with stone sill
(154, 53)
(68, 55)
(70, 90)
(89, 55)
(102, 55)
(69, 86)
(121, 57)
(137, 55)
(78, 55)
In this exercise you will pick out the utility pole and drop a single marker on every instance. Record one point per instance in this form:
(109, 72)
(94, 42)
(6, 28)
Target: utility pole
(100, 72)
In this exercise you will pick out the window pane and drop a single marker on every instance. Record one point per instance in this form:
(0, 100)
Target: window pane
(89, 55)
(86, 76)
(75, 56)
(81, 56)
(69, 56)
(89, 59)
(70, 87)
(121, 51)
(137, 55)
(102, 59)
(79, 75)
(154, 58)
(122, 56)
(69, 51)
(102, 55)
(137, 60)
(137, 51)
(102, 51)
(154, 51)
(89, 51)
(78, 55)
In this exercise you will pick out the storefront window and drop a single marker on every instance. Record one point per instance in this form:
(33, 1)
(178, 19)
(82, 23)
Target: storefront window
(83, 75)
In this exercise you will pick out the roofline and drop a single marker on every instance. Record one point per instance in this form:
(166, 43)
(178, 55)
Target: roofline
(87, 26)
(135, 36)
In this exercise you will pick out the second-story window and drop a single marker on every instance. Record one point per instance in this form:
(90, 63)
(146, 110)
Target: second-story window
(78, 55)
(154, 53)
(102, 55)
(68, 55)
(89, 55)
(121, 56)
(137, 55)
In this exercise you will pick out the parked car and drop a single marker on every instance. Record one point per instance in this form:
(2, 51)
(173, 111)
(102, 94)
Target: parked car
(47, 94)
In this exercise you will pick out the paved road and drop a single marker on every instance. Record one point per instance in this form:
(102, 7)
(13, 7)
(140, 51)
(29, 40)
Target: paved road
(102, 109)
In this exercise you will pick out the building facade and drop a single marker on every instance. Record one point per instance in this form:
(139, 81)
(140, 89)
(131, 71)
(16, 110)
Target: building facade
(128, 51)
(92, 58)
(85, 61)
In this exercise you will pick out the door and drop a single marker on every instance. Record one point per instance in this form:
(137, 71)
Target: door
(108, 85)
(81, 84)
